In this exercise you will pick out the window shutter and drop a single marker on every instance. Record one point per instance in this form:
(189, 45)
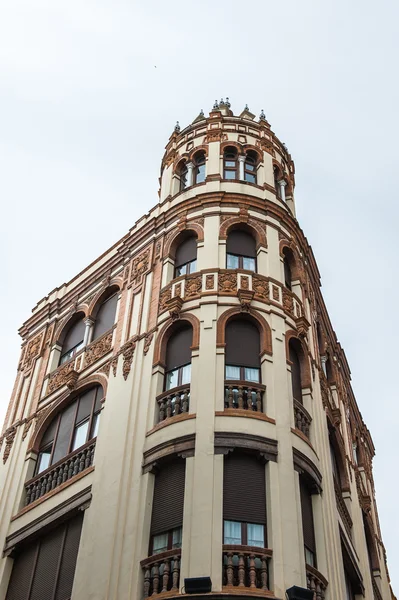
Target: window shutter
(287, 274)
(50, 432)
(22, 573)
(307, 517)
(67, 422)
(244, 489)
(69, 557)
(74, 336)
(45, 577)
(241, 242)
(295, 374)
(85, 404)
(105, 318)
(186, 252)
(178, 351)
(242, 344)
(167, 508)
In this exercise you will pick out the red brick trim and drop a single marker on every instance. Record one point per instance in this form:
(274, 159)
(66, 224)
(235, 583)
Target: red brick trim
(258, 319)
(167, 330)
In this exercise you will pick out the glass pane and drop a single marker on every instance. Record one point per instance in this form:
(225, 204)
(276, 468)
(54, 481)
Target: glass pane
(230, 163)
(230, 175)
(94, 425)
(248, 263)
(186, 374)
(44, 459)
(171, 379)
(182, 270)
(250, 177)
(256, 535)
(200, 176)
(65, 357)
(252, 375)
(232, 373)
(232, 261)
(80, 435)
(177, 538)
(232, 532)
(193, 266)
(309, 557)
(160, 543)
(249, 167)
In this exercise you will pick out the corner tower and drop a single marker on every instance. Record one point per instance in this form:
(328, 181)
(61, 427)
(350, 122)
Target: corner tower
(183, 409)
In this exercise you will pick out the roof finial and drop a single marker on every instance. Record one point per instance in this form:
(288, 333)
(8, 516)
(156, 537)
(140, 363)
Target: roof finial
(228, 102)
(201, 112)
(177, 127)
(246, 107)
(221, 101)
(262, 116)
(216, 105)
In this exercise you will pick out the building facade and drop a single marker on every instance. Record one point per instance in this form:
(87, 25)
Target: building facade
(182, 407)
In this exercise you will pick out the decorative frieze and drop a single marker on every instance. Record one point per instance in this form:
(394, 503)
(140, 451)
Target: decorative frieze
(32, 352)
(61, 376)
(98, 348)
(140, 265)
(228, 282)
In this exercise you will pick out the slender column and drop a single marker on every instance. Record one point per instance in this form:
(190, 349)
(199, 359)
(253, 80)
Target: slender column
(282, 185)
(89, 322)
(323, 360)
(190, 174)
(241, 163)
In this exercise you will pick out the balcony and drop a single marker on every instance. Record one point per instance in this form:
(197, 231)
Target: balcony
(246, 567)
(241, 395)
(302, 418)
(66, 468)
(316, 583)
(174, 402)
(161, 572)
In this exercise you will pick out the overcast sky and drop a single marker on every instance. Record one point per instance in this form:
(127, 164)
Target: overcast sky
(89, 94)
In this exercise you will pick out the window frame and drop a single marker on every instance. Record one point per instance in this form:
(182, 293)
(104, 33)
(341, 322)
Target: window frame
(179, 370)
(241, 262)
(170, 545)
(248, 172)
(242, 373)
(183, 174)
(230, 169)
(191, 268)
(72, 352)
(244, 533)
(199, 162)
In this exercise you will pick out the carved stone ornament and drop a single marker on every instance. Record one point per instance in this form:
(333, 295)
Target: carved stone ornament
(174, 306)
(164, 298)
(147, 342)
(59, 377)
(245, 298)
(140, 265)
(127, 352)
(178, 289)
(114, 365)
(27, 426)
(98, 348)
(71, 379)
(336, 416)
(32, 351)
(302, 325)
(9, 437)
(105, 368)
(276, 293)
(228, 282)
(193, 286)
(260, 286)
(288, 303)
(244, 282)
(210, 282)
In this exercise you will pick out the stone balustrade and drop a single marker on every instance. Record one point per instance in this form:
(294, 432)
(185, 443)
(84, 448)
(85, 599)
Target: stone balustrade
(302, 418)
(161, 572)
(316, 583)
(246, 567)
(64, 469)
(242, 395)
(174, 402)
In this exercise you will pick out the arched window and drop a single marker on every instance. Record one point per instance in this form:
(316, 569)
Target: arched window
(307, 523)
(250, 166)
(242, 351)
(183, 176)
(73, 340)
(167, 507)
(296, 378)
(230, 163)
(105, 317)
(71, 428)
(241, 250)
(186, 257)
(199, 167)
(329, 371)
(277, 178)
(244, 500)
(178, 358)
(334, 463)
(288, 259)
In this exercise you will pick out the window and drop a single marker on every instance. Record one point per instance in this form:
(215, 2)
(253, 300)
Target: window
(295, 349)
(250, 167)
(45, 568)
(73, 340)
(178, 358)
(244, 500)
(167, 508)
(242, 351)
(241, 250)
(71, 428)
(334, 464)
(183, 176)
(199, 167)
(230, 164)
(105, 318)
(287, 269)
(307, 524)
(348, 587)
(186, 257)
(277, 178)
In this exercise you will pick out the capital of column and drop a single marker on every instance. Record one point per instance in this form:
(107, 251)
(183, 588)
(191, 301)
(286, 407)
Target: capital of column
(89, 322)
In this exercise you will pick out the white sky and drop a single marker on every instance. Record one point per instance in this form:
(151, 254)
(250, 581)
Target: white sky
(89, 94)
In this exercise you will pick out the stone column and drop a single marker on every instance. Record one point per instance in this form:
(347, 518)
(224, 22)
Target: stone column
(282, 185)
(190, 174)
(89, 323)
(241, 164)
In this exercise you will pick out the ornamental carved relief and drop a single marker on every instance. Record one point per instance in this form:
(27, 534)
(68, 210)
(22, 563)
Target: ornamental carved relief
(164, 298)
(9, 437)
(276, 293)
(105, 368)
(288, 303)
(98, 349)
(147, 342)
(178, 289)
(244, 282)
(193, 286)
(114, 364)
(210, 282)
(260, 287)
(27, 426)
(227, 282)
(140, 265)
(60, 377)
(127, 352)
(32, 351)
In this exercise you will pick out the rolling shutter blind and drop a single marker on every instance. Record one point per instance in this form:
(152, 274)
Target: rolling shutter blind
(186, 252)
(167, 508)
(244, 489)
(287, 274)
(241, 242)
(64, 432)
(295, 375)
(44, 570)
(242, 344)
(74, 336)
(307, 517)
(105, 317)
(178, 350)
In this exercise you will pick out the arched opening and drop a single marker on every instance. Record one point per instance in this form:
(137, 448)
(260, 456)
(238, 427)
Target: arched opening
(329, 371)
(230, 163)
(309, 538)
(288, 261)
(241, 250)
(73, 338)
(178, 357)
(182, 173)
(199, 167)
(277, 179)
(105, 317)
(250, 166)
(295, 351)
(370, 543)
(71, 428)
(186, 256)
(242, 357)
